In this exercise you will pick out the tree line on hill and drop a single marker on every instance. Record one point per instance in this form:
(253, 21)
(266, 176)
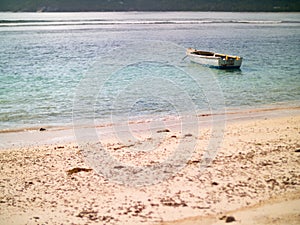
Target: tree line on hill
(150, 5)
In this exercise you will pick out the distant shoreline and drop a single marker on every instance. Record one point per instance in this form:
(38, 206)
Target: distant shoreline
(141, 11)
(148, 6)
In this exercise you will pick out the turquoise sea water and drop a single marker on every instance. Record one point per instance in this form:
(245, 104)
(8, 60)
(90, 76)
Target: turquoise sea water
(45, 57)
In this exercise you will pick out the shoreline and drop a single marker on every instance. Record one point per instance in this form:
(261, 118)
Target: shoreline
(258, 160)
(280, 106)
(32, 136)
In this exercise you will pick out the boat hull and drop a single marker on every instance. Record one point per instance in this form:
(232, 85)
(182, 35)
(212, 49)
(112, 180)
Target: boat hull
(215, 60)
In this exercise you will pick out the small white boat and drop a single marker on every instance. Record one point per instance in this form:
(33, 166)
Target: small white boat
(213, 59)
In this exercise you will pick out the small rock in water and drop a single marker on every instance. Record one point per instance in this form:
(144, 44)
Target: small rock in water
(42, 129)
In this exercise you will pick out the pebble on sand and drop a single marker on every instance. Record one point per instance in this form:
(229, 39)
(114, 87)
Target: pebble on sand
(229, 219)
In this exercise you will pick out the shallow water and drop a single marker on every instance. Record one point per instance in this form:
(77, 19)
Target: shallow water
(46, 56)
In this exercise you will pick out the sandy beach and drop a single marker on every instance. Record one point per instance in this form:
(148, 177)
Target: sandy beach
(254, 178)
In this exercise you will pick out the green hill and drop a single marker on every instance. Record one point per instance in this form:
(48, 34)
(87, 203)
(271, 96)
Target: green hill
(150, 5)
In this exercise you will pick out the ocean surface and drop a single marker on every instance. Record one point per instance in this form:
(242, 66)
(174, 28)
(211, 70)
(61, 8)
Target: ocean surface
(132, 65)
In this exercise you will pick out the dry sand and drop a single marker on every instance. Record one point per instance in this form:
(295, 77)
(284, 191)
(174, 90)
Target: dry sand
(282, 210)
(255, 178)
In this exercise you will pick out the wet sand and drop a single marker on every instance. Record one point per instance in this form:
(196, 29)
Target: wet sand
(257, 165)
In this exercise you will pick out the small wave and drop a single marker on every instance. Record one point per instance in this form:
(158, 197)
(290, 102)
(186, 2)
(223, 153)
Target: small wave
(260, 21)
(14, 23)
